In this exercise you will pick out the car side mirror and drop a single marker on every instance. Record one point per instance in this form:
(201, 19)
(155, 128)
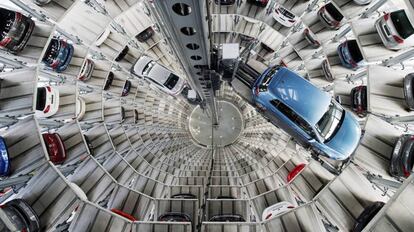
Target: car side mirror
(338, 99)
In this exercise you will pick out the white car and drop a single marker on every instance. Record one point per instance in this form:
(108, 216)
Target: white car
(47, 101)
(284, 16)
(163, 78)
(276, 209)
(86, 70)
(80, 108)
(395, 30)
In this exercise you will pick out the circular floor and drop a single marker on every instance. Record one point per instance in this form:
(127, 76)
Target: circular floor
(226, 132)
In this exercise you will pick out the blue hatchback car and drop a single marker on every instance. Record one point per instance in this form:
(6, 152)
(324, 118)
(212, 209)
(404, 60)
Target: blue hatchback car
(307, 113)
(4, 158)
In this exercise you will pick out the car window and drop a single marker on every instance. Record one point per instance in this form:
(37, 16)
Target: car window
(41, 98)
(288, 112)
(402, 23)
(52, 51)
(354, 50)
(334, 12)
(6, 21)
(330, 121)
(171, 81)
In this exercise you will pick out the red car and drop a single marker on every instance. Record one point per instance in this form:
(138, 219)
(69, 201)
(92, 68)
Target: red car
(55, 147)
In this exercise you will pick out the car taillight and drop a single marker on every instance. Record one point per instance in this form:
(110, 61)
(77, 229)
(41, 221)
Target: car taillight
(257, 91)
(49, 89)
(387, 16)
(336, 23)
(291, 20)
(46, 109)
(276, 11)
(353, 63)
(268, 216)
(291, 207)
(5, 41)
(398, 39)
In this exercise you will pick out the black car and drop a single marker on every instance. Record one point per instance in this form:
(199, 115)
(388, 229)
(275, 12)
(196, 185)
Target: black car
(367, 215)
(359, 100)
(225, 2)
(401, 163)
(123, 53)
(89, 145)
(183, 196)
(122, 114)
(261, 3)
(174, 217)
(15, 30)
(21, 215)
(126, 89)
(408, 91)
(227, 218)
(145, 35)
(109, 80)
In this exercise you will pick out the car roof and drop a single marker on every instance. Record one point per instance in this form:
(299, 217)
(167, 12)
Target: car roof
(300, 95)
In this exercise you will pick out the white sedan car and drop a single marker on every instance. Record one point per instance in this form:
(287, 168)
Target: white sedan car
(162, 77)
(47, 101)
(276, 209)
(284, 16)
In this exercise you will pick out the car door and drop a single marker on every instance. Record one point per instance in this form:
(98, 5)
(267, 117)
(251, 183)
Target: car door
(292, 123)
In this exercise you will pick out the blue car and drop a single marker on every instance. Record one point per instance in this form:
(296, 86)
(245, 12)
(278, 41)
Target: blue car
(4, 158)
(308, 114)
(58, 55)
(350, 54)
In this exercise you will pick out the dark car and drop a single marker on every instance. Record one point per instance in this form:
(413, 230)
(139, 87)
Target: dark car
(55, 147)
(123, 214)
(311, 38)
(227, 218)
(225, 197)
(183, 196)
(4, 158)
(108, 81)
(401, 163)
(174, 217)
(145, 35)
(15, 29)
(261, 3)
(330, 16)
(350, 54)
(21, 215)
(359, 100)
(327, 72)
(367, 215)
(58, 55)
(295, 171)
(122, 114)
(225, 2)
(122, 54)
(136, 116)
(126, 89)
(89, 145)
(409, 91)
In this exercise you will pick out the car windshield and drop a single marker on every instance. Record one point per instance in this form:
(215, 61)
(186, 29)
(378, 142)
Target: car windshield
(330, 121)
(286, 13)
(41, 98)
(171, 81)
(334, 12)
(148, 68)
(52, 51)
(354, 50)
(402, 24)
(6, 22)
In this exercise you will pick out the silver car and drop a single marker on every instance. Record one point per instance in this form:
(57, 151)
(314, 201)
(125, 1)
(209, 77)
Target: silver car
(395, 29)
(162, 77)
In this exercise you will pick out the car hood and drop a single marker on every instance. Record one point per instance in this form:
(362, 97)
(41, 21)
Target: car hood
(346, 138)
(140, 64)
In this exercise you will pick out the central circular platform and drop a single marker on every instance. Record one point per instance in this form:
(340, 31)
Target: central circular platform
(226, 132)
